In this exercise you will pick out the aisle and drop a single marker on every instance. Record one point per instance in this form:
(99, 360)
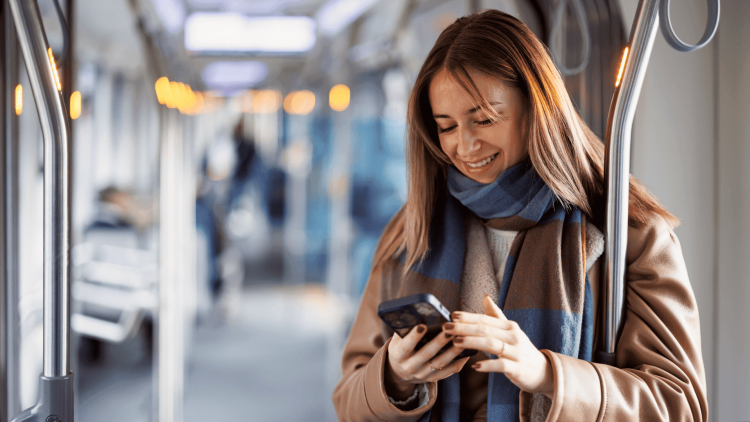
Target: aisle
(266, 364)
(275, 359)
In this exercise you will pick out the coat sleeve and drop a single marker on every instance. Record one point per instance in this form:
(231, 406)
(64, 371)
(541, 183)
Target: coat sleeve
(659, 374)
(360, 394)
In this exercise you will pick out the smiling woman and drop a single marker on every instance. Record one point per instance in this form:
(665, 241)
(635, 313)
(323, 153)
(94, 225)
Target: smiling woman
(501, 225)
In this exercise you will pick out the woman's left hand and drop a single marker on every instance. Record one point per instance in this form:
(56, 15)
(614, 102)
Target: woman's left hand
(520, 361)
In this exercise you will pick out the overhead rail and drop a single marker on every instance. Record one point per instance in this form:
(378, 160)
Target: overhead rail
(56, 382)
(617, 158)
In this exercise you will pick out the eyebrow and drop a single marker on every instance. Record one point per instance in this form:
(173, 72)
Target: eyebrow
(471, 111)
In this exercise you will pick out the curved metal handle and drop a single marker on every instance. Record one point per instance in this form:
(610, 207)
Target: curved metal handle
(56, 133)
(617, 168)
(711, 26)
(557, 20)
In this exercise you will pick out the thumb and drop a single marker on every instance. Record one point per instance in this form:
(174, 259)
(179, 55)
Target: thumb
(491, 309)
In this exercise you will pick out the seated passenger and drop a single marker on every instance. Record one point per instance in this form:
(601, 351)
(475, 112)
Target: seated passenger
(502, 224)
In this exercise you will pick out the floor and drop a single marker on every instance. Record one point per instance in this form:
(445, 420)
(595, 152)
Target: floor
(274, 356)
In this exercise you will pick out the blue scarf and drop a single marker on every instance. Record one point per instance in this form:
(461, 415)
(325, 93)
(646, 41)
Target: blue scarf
(544, 289)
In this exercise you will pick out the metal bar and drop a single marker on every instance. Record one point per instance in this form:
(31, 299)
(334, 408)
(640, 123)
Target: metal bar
(617, 169)
(11, 320)
(56, 134)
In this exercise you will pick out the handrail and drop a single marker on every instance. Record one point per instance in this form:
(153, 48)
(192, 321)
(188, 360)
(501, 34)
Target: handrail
(558, 17)
(55, 131)
(711, 26)
(56, 383)
(10, 402)
(617, 168)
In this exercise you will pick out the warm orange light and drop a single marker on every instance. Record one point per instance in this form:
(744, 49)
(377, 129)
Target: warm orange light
(19, 100)
(174, 95)
(54, 68)
(198, 105)
(622, 67)
(75, 105)
(339, 97)
(266, 101)
(299, 102)
(163, 93)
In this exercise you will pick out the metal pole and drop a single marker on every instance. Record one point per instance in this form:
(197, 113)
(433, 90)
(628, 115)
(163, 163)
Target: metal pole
(56, 383)
(55, 131)
(11, 339)
(617, 169)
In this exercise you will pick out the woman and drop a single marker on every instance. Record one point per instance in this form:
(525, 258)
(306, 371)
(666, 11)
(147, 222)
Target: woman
(500, 224)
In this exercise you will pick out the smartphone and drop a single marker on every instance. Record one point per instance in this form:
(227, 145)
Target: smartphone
(405, 313)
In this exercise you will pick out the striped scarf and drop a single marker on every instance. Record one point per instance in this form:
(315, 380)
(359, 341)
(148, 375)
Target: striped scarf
(544, 288)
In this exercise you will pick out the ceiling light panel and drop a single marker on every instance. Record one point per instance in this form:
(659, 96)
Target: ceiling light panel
(234, 74)
(236, 33)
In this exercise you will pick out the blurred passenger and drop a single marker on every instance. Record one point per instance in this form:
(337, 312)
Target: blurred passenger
(244, 164)
(502, 224)
(119, 209)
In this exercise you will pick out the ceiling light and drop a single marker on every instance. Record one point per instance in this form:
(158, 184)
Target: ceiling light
(234, 75)
(233, 32)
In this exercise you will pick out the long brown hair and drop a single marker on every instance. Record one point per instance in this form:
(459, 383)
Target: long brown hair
(565, 153)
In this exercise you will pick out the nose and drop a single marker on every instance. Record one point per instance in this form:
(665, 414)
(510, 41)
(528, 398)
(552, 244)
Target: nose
(467, 142)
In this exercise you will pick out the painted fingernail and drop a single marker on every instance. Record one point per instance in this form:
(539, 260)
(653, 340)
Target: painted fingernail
(421, 329)
(458, 340)
(456, 316)
(448, 336)
(448, 326)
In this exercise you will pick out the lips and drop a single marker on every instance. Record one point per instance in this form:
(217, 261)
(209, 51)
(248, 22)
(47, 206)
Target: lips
(483, 162)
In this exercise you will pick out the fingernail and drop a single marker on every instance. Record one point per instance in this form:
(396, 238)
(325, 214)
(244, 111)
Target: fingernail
(456, 316)
(448, 326)
(476, 366)
(421, 329)
(448, 336)
(458, 340)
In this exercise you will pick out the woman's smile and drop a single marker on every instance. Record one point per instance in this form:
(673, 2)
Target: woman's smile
(481, 164)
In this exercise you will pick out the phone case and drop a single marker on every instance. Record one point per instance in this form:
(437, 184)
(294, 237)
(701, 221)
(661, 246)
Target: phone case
(404, 313)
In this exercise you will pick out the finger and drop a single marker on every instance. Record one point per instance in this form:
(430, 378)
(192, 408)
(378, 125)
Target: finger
(491, 345)
(472, 318)
(505, 366)
(448, 370)
(479, 330)
(404, 347)
(491, 309)
(429, 350)
(440, 361)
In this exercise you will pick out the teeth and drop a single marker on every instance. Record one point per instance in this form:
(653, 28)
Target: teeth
(483, 162)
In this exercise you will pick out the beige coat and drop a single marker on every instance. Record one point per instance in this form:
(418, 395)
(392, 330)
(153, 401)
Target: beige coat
(659, 374)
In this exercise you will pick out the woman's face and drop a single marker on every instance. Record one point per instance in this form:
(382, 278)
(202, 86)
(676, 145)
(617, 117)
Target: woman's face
(479, 148)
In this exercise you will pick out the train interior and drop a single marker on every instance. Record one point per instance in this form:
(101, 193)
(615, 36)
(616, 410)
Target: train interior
(233, 164)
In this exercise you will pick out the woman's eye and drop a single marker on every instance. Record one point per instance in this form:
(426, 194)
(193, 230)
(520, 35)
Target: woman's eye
(485, 122)
(448, 129)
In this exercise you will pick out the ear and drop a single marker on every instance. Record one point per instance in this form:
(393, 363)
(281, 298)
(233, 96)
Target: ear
(491, 309)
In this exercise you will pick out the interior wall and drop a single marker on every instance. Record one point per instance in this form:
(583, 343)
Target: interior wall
(732, 389)
(689, 148)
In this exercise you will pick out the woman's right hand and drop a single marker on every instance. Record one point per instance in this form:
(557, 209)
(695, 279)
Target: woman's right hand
(405, 367)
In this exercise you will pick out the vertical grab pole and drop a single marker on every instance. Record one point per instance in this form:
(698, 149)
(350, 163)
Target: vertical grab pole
(56, 383)
(617, 169)
(10, 402)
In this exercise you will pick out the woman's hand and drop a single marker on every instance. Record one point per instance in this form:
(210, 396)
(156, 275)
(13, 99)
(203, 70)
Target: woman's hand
(406, 367)
(523, 364)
